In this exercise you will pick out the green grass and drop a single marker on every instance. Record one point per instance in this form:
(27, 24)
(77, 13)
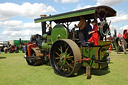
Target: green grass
(15, 71)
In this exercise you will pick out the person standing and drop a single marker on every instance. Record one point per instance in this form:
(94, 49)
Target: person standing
(125, 35)
(89, 29)
(94, 32)
(82, 30)
(121, 45)
(5, 49)
(0, 50)
(119, 35)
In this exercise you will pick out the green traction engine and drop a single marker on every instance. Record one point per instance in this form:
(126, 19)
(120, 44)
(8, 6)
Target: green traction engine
(61, 46)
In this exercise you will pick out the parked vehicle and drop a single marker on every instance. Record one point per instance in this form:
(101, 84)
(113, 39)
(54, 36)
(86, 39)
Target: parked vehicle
(3, 44)
(16, 45)
(63, 47)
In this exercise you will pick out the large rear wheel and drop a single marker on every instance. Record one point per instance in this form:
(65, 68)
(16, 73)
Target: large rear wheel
(64, 55)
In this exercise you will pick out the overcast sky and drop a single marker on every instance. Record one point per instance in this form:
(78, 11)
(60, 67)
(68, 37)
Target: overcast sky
(17, 16)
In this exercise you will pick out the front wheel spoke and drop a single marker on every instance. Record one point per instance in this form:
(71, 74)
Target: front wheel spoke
(69, 65)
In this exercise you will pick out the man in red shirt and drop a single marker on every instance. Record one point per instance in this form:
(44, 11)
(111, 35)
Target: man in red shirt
(125, 35)
(94, 32)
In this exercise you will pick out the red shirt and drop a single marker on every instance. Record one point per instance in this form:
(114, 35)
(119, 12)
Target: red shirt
(95, 27)
(95, 37)
(125, 34)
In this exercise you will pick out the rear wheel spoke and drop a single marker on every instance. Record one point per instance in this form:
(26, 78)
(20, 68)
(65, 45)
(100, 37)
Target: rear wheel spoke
(71, 60)
(59, 50)
(69, 53)
(57, 54)
(69, 64)
(63, 68)
(68, 69)
(66, 49)
(70, 57)
(58, 62)
(57, 57)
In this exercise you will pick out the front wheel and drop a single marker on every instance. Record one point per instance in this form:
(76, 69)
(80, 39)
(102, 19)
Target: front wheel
(31, 61)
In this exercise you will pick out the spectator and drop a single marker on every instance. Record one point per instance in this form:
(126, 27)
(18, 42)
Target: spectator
(121, 45)
(0, 50)
(125, 35)
(119, 35)
(5, 49)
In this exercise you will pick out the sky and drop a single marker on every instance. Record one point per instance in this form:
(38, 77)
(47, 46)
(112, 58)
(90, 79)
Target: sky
(17, 16)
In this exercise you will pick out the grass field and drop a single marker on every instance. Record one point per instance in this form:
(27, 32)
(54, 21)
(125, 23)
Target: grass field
(15, 71)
